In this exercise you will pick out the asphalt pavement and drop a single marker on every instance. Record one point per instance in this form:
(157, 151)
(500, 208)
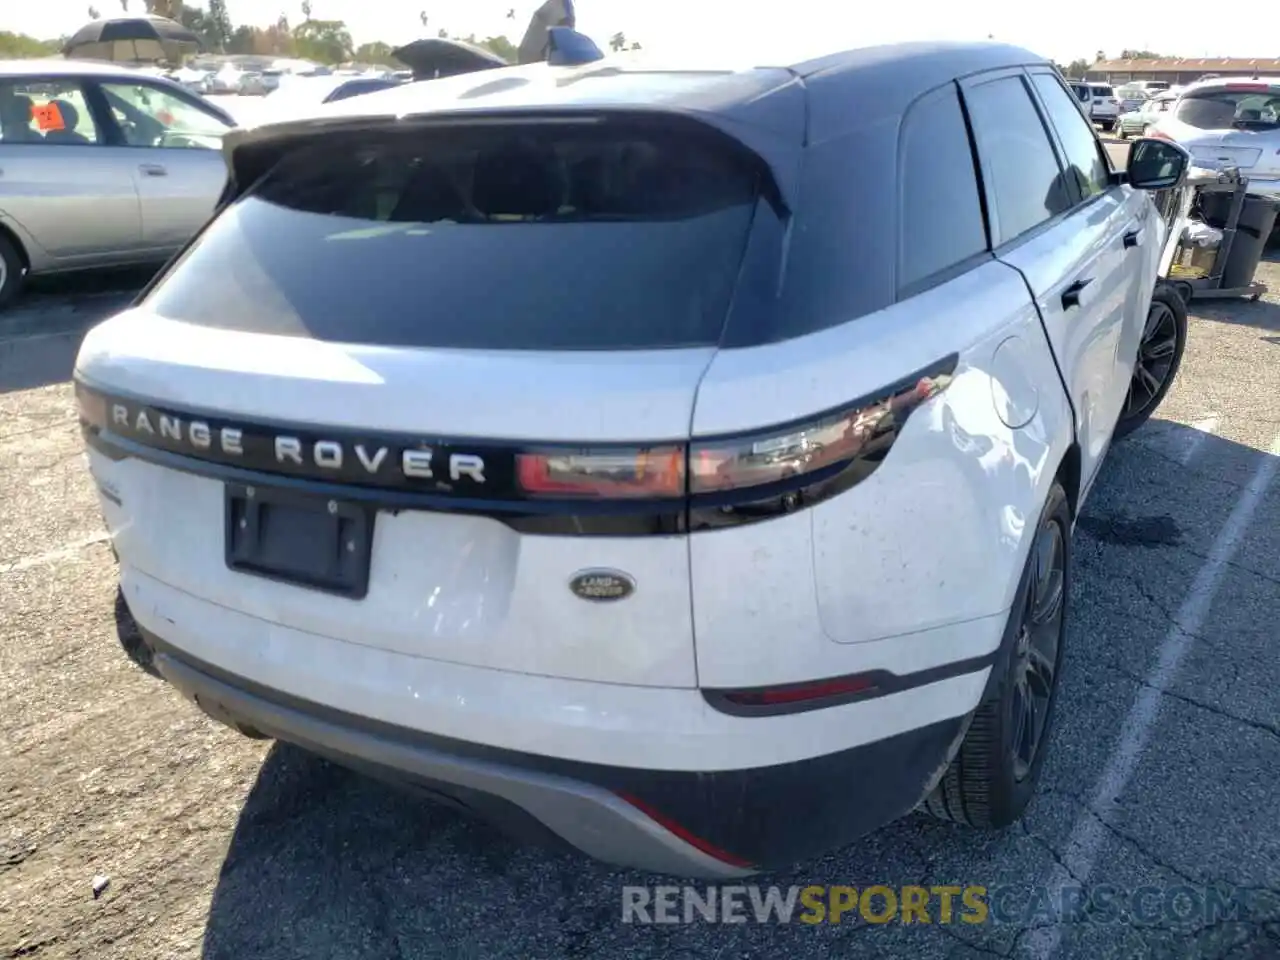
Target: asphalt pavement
(1160, 804)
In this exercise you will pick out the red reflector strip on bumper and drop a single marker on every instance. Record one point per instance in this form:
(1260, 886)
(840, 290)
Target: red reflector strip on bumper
(675, 829)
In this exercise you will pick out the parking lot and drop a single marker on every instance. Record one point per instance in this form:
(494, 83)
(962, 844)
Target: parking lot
(1163, 775)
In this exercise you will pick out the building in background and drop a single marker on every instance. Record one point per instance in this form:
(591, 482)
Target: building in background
(1181, 70)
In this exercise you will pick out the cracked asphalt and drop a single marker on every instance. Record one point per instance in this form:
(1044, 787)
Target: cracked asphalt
(229, 849)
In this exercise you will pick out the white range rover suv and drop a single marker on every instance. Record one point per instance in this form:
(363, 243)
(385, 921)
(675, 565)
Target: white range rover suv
(681, 464)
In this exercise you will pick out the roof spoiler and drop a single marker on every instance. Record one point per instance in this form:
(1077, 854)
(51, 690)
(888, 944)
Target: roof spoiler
(251, 153)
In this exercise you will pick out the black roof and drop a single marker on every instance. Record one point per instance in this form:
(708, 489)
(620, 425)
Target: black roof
(774, 110)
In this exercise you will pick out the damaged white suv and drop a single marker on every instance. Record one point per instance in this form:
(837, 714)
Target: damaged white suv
(682, 464)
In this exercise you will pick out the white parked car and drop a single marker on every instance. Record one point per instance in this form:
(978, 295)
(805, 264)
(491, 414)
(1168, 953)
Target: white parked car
(1230, 122)
(1100, 103)
(561, 465)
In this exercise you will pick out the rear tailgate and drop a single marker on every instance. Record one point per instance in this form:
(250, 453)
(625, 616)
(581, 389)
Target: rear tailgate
(493, 337)
(1235, 124)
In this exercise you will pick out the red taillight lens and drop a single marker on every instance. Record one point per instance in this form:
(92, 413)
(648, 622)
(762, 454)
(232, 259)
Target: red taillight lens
(607, 474)
(92, 407)
(862, 432)
(802, 692)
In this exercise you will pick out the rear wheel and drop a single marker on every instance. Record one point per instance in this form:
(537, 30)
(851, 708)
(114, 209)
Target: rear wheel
(13, 271)
(993, 777)
(1164, 337)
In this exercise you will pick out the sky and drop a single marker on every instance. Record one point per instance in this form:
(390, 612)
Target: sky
(798, 28)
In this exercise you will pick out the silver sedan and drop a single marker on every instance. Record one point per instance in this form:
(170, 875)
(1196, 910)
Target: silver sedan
(100, 166)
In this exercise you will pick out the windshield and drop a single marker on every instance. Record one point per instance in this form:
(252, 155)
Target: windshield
(525, 237)
(1254, 108)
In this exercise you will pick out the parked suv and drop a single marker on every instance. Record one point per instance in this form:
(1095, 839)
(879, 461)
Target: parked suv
(1230, 123)
(599, 456)
(1100, 103)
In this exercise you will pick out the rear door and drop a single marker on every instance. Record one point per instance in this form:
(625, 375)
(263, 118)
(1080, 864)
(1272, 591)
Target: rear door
(1058, 219)
(174, 144)
(59, 179)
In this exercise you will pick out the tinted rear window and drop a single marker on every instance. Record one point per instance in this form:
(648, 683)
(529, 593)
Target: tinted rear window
(357, 87)
(1103, 92)
(537, 236)
(1223, 109)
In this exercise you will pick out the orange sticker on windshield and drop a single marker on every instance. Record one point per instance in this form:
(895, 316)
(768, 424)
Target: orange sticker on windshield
(165, 117)
(48, 117)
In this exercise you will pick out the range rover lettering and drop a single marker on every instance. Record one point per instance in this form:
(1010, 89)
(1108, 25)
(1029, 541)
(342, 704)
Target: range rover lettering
(731, 425)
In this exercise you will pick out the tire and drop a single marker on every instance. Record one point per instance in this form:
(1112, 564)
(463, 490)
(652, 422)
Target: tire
(1107, 125)
(1159, 355)
(13, 271)
(993, 776)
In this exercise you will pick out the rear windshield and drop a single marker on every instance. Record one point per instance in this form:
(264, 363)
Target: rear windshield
(1103, 92)
(1225, 109)
(541, 236)
(356, 87)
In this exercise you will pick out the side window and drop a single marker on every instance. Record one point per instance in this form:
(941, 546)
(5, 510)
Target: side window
(152, 117)
(941, 214)
(1025, 183)
(45, 111)
(1086, 163)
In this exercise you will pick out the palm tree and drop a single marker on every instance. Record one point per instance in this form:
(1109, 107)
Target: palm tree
(124, 5)
(618, 41)
(93, 13)
(423, 17)
(511, 14)
(306, 9)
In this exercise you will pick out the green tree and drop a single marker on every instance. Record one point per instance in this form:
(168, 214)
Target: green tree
(306, 9)
(1076, 69)
(1141, 55)
(375, 52)
(165, 8)
(197, 21)
(325, 41)
(93, 13)
(19, 46)
(618, 41)
(502, 47)
(219, 21)
(242, 40)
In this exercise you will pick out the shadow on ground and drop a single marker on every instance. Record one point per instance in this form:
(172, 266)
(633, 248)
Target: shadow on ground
(326, 863)
(41, 333)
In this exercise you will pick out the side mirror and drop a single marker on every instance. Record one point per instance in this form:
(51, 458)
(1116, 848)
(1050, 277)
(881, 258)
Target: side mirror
(1157, 164)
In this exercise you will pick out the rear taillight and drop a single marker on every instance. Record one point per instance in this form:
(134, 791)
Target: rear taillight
(724, 474)
(604, 474)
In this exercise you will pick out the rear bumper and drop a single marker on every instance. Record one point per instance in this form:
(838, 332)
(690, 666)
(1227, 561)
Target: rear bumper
(717, 825)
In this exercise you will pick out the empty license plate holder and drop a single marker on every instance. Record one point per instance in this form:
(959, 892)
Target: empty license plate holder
(309, 541)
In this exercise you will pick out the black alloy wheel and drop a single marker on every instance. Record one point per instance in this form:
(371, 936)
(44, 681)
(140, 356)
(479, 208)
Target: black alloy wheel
(1164, 337)
(992, 776)
(1035, 654)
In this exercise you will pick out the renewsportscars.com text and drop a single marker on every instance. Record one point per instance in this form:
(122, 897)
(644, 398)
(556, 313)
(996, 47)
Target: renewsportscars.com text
(1020, 904)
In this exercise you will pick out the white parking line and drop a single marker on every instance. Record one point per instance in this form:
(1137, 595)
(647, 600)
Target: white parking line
(1088, 835)
(53, 556)
(1199, 430)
